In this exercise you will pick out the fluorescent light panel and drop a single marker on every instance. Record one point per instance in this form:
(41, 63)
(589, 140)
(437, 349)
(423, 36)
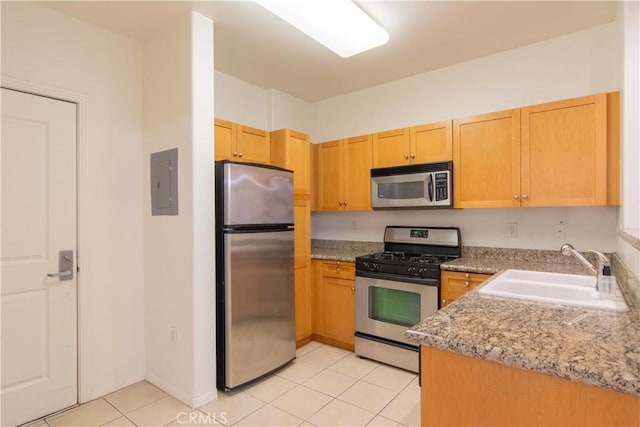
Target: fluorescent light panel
(340, 25)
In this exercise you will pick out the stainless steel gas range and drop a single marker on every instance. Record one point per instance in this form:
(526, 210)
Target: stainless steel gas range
(397, 288)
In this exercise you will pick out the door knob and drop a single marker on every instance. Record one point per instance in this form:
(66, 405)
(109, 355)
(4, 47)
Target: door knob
(65, 266)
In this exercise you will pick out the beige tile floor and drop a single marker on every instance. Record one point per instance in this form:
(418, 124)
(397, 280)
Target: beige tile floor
(324, 386)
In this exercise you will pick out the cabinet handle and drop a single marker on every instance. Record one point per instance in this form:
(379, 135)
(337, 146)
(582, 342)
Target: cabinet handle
(444, 302)
(353, 290)
(340, 202)
(516, 197)
(525, 197)
(413, 156)
(239, 154)
(345, 204)
(466, 275)
(466, 283)
(406, 156)
(235, 154)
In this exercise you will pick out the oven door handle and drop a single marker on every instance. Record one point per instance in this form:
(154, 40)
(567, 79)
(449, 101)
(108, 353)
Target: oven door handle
(430, 189)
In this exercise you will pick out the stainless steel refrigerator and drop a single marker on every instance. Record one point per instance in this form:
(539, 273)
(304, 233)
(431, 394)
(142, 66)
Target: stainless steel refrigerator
(255, 321)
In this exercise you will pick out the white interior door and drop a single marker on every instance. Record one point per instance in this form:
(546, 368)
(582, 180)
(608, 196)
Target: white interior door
(39, 331)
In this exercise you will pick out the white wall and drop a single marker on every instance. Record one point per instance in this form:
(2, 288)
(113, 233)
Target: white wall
(178, 250)
(241, 102)
(268, 109)
(573, 65)
(288, 112)
(48, 50)
(630, 211)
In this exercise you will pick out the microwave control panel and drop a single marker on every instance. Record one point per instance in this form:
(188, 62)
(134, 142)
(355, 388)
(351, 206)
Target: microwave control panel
(442, 186)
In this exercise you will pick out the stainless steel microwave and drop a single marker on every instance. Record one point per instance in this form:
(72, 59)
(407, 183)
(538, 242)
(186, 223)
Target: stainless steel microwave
(426, 185)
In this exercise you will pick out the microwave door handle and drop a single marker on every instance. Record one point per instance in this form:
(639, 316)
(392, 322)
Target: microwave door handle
(430, 186)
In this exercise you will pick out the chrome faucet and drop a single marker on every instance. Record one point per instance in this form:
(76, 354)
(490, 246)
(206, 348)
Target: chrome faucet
(604, 266)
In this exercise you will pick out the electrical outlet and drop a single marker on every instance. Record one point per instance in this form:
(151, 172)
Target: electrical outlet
(559, 230)
(174, 334)
(512, 229)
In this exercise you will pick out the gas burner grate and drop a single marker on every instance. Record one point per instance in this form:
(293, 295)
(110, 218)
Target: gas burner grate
(391, 255)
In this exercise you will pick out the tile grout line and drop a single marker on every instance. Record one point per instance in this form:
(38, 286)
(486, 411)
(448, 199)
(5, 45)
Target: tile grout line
(120, 412)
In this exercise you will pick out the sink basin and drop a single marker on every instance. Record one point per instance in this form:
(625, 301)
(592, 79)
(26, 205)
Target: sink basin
(555, 288)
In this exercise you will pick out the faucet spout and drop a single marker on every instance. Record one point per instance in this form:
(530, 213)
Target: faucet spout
(603, 261)
(569, 250)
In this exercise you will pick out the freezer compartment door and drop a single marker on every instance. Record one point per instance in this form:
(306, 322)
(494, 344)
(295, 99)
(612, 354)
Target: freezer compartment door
(259, 303)
(255, 194)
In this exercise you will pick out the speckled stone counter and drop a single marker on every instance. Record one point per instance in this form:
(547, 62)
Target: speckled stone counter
(585, 345)
(477, 259)
(342, 250)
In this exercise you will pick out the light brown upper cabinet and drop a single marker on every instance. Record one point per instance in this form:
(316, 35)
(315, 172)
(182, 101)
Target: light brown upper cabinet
(486, 160)
(563, 153)
(344, 174)
(291, 150)
(234, 141)
(418, 144)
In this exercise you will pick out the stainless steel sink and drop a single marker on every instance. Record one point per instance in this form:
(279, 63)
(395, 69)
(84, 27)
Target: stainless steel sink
(554, 288)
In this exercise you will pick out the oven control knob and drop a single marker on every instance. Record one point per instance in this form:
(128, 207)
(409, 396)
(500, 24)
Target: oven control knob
(411, 271)
(366, 265)
(375, 267)
(422, 272)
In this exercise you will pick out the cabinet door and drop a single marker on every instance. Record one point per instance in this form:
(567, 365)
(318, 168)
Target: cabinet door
(564, 153)
(252, 145)
(302, 232)
(432, 143)
(315, 184)
(303, 302)
(486, 160)
(291, 150)
(224, 135)
(357, 173)
(330, 197)
(455, 284)
(391, 148)
(299, 152)
(338, 306)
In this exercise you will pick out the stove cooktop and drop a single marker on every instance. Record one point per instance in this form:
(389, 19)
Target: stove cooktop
(409, 257)
(414, 252)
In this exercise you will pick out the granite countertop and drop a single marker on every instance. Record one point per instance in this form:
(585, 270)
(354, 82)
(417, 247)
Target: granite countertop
(340, 250)
(493, 266)
(595, 347)
(336, 254)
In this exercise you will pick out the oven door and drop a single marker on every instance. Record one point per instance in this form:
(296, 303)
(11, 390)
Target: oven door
(386, 308)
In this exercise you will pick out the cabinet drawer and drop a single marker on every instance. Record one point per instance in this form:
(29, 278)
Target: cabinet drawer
(339, 269)
(455, 284)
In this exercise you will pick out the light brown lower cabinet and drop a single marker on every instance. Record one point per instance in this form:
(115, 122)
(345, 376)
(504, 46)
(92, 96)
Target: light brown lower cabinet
(334, 303)
(463, 391)
(454, 284)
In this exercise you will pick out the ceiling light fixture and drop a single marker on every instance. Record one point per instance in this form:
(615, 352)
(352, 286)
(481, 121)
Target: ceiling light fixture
(340, 25)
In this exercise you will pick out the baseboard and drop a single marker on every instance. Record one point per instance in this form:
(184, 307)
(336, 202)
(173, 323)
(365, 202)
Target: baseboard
(303, 341)
(333, 343)
(181, 395)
